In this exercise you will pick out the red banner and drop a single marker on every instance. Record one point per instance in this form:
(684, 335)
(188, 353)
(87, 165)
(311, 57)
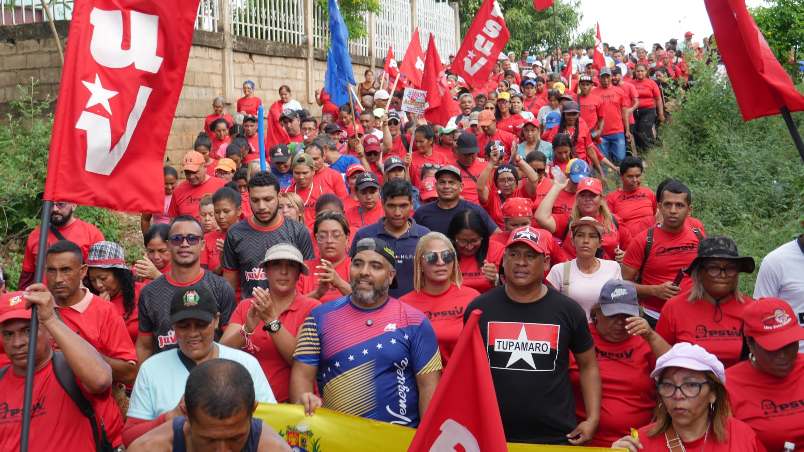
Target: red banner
(599, 60)
(412, 66)
(482, 44)
(761, 85)
(390, 66)
(440, 104)
(123, 73)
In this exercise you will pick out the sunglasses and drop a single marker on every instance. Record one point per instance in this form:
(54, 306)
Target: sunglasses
(178, 239)
(445, 256)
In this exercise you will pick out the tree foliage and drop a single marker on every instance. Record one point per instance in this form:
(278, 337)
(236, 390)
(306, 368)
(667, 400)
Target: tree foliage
(532, 30)
(782, 23)
(354, 15)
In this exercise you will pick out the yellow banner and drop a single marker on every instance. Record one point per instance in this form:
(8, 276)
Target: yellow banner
(330, 431)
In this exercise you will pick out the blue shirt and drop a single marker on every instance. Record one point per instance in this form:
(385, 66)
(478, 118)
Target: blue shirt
(344, 162)
(404, 248)
(367, 360)
(437, 219)
(285, 179)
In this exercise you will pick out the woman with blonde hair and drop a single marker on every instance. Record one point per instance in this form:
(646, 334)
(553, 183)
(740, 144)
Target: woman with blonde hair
(437, 289)
(589, 202)
(693, 411)
(712, 313)
(291, 206)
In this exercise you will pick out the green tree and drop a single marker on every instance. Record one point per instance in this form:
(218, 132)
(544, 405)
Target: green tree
(353, 12)
(782, 23)
(532, 30)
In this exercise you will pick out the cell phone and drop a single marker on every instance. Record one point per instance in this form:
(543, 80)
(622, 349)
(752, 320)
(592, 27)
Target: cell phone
(679, 277)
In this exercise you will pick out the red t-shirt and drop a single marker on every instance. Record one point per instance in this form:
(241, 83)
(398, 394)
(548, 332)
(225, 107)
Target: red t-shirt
(741, 438)
(591, 109)
(308, 283)
(668, 254)
(332, 181)
(493, 204)
(445, 151)
(210, 255)
(533, 105)
(418, 160)
(445, 312)
(719, 331)
(772, 406)
(79, 232)
(56, 421)
(186, 197)
(132, 322)
(211, 118)
(248, 105)
(629, 394)
(637, 208)
(511, 124)
(473, 276)
(98, 322)
(469, 178)
(506, 138)
(630, 96)
(612, 101)
(273, 364)
(357, 217)
(648, 91)
(309, 196)
(583, 143)
(218, 150)
(563, 206)
(612, 238)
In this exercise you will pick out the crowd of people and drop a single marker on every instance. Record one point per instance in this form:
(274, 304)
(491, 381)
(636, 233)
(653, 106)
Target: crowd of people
(342, 276)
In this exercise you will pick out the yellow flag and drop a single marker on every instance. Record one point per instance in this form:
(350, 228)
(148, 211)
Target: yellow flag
(330, 431)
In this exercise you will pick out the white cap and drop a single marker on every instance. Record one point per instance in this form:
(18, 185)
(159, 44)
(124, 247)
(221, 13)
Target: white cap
(381, 94)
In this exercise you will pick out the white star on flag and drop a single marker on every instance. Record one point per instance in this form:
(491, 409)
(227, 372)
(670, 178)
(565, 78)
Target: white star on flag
(393, 341)
(470, 55)
(351, 358)
(99, 94)
(379, 346)
(419, 64)
(337, 364)
(524, 355)
(392, 63)
(365, 352)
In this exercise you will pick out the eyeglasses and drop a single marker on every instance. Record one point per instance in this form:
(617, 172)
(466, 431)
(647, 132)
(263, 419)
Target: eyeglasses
(689, 389)
(445, 256)
(178, 239)
(716, 270)
(465, 243)
(490, 108)
(334, 236)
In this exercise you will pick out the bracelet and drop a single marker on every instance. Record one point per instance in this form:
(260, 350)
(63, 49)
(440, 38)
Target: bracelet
(249, 346)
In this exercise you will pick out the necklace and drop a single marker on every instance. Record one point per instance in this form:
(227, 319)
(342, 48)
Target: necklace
(309, 193)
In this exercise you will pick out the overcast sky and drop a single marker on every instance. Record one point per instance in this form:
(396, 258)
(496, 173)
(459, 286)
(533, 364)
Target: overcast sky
(623, 21)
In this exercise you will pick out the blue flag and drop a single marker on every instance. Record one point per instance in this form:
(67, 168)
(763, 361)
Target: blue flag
(339, 64)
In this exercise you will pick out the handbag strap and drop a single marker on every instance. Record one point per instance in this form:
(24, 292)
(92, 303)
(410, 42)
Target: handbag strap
(673, 441)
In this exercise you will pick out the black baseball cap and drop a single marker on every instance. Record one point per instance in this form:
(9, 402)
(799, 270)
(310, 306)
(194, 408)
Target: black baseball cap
(332, 128)
(289, 114)
(466, 143)
(392, 162)
(249, 118)
(377, 245)
(449, 169)
(366, 180)
(393, 115)
(193, 302)
(280, 153)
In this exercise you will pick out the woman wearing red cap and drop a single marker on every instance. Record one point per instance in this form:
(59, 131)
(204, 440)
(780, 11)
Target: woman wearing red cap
(767, 390)
(693, 411)
(437, 289)
(711, 314)
(589, 202)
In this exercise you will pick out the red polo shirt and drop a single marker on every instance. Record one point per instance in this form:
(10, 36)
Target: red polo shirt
(186, 197)
(308, 283)
(273, 364)
(718, 330)
(445, 312)
(79, 232)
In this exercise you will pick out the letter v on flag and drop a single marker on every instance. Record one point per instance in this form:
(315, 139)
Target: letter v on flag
(117, 100)
(463, 412)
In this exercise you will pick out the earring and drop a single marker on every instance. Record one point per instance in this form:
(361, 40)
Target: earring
(712, 407)
(752, 358)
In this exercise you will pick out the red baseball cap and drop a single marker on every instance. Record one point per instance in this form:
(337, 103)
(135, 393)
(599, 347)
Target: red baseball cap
(354, 168)
(486, 118)
(428, 189)
(772, 323)
(534, 238)
(371, 143)
(12, 307)
(517, 207)
(590, 184)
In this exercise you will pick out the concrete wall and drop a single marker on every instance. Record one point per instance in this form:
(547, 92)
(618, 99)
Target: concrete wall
(217, 66)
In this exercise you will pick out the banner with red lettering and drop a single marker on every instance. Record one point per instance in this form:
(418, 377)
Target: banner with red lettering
(482, 44)
(123, 73)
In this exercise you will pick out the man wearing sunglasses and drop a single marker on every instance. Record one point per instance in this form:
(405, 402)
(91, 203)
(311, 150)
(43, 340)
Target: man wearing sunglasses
(530, 330)
(63, 226)
(185, 243)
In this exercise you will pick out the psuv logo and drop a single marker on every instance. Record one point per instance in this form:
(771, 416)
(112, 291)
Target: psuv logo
(530, 347)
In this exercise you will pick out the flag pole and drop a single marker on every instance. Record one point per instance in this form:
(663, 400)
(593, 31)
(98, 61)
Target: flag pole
(261, 136)
(33, 332)
(393, 87)
(791, 127)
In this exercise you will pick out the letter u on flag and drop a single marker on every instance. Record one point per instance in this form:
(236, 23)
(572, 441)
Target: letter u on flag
(464, 411)
(482, 44)
(122, 76)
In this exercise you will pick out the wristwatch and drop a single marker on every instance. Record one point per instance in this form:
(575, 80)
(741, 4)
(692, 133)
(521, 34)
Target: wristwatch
(273, 326)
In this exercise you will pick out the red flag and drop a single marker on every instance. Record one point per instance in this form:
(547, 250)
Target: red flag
(275, 133)
(122, 76)
(440, 104)
(390, 64)
(483, 42)
(464, 412)
(599, 61)
(412, 66)
(761, 85)
(569, 72)
(542, 5)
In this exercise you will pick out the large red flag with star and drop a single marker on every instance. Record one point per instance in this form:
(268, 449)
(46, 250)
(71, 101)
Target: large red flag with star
(123, 73)
(412, 66)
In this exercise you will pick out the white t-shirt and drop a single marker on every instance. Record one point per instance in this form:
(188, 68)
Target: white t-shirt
(781, 275)
(160, 382)
(584, 288)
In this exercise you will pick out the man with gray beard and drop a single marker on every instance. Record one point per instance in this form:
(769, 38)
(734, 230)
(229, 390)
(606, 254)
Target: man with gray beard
(371, 355)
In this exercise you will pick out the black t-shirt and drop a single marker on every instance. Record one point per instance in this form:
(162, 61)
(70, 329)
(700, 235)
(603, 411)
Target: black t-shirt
(528, 347)
(247, 242)
(154, 307)
(437, 219)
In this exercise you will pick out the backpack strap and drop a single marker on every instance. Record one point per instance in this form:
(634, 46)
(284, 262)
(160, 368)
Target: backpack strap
(646, 253)
(565, 282)
(66, 379)
(3, 371)
(57, 233)
(698, 234)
